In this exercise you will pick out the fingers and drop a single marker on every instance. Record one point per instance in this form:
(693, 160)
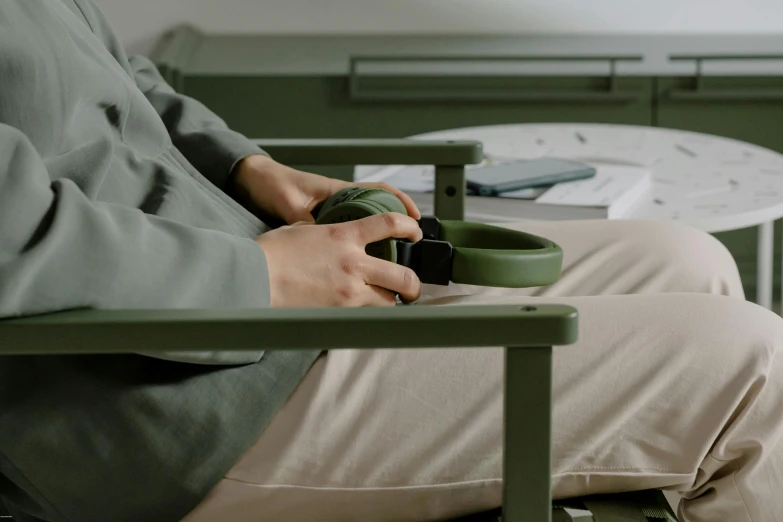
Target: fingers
(378, 296)
(382, 226)
(410, 205)
(364, 283)
(391, 276)
(295, 212)
(300, 217)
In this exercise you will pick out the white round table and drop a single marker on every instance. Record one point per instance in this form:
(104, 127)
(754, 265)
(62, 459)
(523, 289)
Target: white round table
(713, 183)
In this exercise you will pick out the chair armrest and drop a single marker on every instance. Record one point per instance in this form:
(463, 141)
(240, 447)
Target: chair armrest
(449, 158)
(119, 331)
(373, 152)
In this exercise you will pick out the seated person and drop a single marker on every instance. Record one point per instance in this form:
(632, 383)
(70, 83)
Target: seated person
(116, 193)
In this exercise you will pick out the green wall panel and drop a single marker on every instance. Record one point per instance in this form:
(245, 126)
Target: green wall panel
(320, 107)
(745, 108)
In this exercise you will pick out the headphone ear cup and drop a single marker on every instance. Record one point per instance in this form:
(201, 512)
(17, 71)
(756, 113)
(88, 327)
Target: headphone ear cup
(367, 201)
(354, 203)
(338, 197)
(385, 200)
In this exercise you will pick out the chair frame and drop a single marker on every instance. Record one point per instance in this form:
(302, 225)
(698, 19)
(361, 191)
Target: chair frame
(528, 333)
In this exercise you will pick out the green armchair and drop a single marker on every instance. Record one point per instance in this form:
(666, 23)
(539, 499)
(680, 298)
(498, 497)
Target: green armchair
(529, 334)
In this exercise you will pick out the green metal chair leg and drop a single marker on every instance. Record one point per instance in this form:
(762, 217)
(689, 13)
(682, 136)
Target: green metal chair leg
(527, 451)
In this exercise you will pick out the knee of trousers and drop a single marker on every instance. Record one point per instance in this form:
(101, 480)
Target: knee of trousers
(736, 344)
(688, 252)
(690, 346)
(753, 326)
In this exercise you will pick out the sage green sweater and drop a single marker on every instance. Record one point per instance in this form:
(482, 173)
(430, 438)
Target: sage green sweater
(112, 196)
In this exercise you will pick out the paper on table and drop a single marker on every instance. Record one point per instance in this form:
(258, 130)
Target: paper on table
(610, 184)
(413, 178)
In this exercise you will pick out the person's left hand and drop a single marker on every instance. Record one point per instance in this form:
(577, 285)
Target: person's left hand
(291, 195)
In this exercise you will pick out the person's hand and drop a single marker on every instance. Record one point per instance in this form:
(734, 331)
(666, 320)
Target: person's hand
(326, 265)
(291, 195)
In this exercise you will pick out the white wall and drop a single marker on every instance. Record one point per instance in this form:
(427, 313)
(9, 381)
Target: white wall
(139, 22)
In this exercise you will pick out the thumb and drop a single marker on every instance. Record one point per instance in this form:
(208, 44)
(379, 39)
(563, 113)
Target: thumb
(298, 215)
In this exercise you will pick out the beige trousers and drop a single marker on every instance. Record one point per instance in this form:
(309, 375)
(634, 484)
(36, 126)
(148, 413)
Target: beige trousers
(675, 383)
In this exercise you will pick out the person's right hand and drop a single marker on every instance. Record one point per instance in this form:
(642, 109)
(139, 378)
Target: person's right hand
(326, 265)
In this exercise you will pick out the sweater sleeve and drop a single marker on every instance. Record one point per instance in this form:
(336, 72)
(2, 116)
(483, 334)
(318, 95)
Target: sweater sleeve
(201, 135)
(60, 250)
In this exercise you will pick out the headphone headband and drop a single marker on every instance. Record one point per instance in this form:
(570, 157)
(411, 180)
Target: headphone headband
(479, 254)
(453, 251)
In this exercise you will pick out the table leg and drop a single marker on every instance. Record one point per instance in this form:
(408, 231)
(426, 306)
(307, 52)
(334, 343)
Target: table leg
(765, 263)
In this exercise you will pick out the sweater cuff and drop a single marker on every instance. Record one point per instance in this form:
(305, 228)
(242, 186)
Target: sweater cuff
(218, 153)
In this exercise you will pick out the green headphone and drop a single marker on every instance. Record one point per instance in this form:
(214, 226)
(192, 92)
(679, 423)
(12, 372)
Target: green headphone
(452, 251)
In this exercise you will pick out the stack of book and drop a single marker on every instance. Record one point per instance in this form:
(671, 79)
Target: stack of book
(618, 185)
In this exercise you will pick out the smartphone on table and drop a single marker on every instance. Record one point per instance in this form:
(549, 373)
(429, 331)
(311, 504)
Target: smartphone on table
(524, 174)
